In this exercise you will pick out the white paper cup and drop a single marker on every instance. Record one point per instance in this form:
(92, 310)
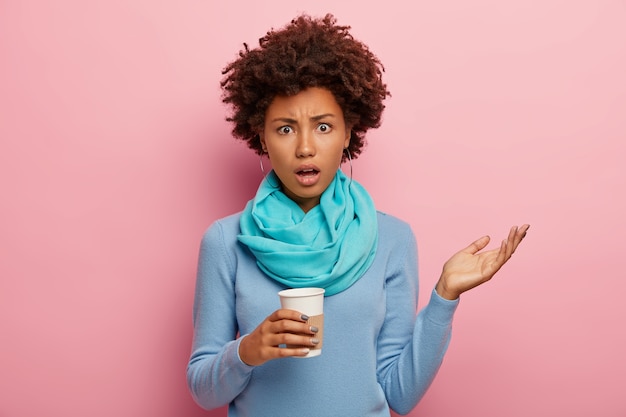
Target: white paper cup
(309, 301)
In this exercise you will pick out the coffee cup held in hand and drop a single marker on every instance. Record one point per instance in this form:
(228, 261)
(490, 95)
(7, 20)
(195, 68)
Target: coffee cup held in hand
(308, 301)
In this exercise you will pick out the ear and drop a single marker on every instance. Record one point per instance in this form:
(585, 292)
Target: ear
(262, 140)
(346, 142)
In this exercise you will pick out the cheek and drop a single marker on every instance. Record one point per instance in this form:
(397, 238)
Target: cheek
(341, 148)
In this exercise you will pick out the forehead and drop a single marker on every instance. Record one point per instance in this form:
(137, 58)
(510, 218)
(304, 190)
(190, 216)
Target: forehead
(312, 101)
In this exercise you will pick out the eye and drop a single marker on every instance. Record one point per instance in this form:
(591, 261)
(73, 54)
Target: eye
(285, 130)
(324, 127)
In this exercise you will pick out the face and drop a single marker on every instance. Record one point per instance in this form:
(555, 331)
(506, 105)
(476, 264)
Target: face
(304, 136)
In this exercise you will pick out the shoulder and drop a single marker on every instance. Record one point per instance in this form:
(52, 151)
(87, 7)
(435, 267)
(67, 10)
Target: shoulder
(229, 222)
(393, 230)
(224, 229)
(219, 243)
(388, 223)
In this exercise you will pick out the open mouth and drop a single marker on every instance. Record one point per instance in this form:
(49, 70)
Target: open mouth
(309, 172)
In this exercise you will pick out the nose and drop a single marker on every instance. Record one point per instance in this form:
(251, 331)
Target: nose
(306, 145)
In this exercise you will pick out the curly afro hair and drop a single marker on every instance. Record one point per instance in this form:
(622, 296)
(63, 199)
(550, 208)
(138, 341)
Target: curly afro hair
(308, 52)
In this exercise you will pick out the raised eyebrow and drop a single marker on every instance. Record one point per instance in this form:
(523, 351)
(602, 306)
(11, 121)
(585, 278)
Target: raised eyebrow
(322, 116)
(285, 120)
(294, 121)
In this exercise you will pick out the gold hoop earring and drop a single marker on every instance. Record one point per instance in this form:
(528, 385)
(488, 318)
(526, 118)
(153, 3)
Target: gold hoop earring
(265, 174)
(350, 161)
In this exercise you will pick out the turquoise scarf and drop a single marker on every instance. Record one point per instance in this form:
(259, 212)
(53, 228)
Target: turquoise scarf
(330, 247)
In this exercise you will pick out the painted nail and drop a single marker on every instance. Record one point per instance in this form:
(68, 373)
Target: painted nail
(315, 341)
(304, 317)
(314, 329)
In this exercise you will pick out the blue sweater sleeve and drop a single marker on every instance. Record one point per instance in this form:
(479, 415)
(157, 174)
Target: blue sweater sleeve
(410, 349)
(215, 373)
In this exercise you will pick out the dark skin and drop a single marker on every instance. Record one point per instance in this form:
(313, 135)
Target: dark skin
(469, 268)
(281, 327)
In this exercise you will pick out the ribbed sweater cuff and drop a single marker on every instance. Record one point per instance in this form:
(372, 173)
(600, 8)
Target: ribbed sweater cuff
(240, 364)
(440, 310)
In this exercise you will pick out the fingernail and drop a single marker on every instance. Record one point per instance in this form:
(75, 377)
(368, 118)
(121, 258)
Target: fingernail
(314, 329)
(315, 341)
(305, 351)
(304, 317)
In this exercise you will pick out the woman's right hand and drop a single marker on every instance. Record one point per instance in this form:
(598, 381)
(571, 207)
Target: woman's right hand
(282, 327)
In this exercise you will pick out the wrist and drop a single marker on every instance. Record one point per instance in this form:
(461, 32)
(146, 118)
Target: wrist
(242, 351)
(444, 291)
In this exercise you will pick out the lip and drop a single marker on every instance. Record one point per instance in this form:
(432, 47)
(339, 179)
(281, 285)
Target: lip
(307, 175)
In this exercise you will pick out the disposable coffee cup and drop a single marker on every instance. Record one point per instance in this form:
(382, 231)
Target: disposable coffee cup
(309, 301)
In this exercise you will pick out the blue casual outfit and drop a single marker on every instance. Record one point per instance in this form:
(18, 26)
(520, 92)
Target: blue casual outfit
(377, 353)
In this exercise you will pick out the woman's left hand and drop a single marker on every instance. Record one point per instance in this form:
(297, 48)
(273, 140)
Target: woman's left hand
(468, 269)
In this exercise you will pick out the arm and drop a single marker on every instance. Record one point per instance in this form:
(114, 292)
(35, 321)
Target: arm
(409, 364)
(410, 349)
(220, 366)
(215, 374)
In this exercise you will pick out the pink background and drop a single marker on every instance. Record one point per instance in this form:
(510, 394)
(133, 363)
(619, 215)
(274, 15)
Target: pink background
(115, 157)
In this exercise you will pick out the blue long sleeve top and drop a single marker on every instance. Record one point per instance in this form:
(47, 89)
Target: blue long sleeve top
(377, 354)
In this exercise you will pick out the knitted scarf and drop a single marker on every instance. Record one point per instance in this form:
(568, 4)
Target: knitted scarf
(331, 246)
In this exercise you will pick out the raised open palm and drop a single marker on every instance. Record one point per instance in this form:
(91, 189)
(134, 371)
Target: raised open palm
(469, 267)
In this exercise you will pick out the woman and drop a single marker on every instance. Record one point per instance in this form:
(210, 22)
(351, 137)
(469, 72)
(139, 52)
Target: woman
(305, 97)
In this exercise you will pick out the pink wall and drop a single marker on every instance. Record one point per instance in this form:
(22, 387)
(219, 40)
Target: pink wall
(114, 158)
